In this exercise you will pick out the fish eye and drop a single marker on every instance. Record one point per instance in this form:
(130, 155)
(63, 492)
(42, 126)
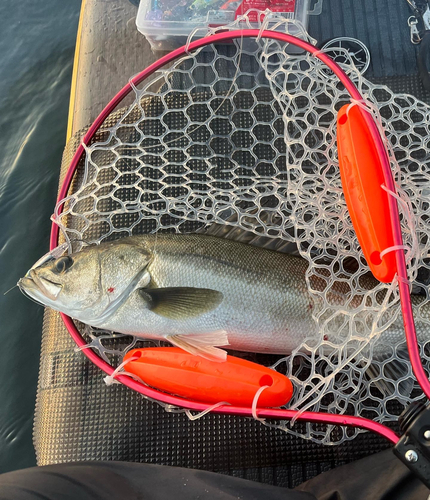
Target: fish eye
(63, 264)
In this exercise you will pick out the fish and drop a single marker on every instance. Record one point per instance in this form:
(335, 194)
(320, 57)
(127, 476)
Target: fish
(199, 292)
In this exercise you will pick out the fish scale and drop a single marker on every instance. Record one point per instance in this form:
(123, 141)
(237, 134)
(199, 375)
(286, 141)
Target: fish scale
(265, 305)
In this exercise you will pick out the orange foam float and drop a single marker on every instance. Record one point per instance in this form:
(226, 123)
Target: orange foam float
(368, 204)
(235, 381)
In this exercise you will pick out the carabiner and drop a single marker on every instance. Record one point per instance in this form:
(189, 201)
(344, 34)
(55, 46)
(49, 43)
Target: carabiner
(415, 34)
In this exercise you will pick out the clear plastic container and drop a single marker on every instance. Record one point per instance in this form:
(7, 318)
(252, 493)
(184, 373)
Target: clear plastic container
(167, 24)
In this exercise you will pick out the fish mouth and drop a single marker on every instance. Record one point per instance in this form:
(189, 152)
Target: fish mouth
(28, 287)
(38, 287)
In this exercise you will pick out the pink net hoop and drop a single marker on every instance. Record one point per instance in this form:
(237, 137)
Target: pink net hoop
(400, 258)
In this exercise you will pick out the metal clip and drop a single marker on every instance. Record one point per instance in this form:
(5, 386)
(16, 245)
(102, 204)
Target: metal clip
(415, 34)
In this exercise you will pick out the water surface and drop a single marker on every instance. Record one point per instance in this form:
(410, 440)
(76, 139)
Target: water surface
(37, 39)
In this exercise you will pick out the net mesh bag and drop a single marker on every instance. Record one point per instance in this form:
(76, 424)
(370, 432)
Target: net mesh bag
(241, 137)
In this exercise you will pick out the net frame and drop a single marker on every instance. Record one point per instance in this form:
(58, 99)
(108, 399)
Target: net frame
(308, 416)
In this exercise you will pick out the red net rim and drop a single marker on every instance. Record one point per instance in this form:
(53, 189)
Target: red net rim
(271, 413)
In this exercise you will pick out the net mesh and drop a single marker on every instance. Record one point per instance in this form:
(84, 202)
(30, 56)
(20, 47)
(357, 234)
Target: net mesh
(243, 135)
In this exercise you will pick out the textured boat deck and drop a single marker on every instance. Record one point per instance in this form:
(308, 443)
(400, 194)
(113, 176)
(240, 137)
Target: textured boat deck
(77, 416)
(110, 51)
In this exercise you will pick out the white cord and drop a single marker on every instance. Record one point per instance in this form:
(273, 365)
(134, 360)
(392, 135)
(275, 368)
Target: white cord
(110, 379)
(255, 401)
(204, 412)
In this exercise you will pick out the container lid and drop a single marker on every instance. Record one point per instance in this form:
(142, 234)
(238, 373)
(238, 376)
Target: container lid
(180, 17)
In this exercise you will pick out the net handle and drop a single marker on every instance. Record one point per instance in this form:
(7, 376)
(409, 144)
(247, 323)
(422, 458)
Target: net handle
(406, 305)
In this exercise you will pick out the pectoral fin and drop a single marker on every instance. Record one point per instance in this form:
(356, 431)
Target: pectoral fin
(202, 344)
(181, 303)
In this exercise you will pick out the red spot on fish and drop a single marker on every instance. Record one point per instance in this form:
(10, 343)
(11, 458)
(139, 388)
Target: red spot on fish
(111, 290)
(325, 337)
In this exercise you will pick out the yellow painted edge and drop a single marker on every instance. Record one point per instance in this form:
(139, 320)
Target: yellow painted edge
(75, 73)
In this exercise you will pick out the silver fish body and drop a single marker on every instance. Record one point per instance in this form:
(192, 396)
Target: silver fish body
(196, 291)
(265, 305)
(257, 299)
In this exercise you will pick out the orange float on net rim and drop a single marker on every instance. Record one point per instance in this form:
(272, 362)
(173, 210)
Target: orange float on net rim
(236, 381)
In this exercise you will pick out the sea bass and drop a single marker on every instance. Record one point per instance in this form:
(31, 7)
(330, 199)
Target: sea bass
(198, 292)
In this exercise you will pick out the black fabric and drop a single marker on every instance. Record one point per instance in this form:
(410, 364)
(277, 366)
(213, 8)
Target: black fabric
(380, 477)
(130, 481)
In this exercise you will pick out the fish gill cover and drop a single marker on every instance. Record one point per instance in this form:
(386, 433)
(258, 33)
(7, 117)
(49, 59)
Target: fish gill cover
(242, 137)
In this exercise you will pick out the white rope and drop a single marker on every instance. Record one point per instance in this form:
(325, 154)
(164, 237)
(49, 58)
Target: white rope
(393, 249)
(204, 412)
(412, 252)
(255, 401)
(110, 379)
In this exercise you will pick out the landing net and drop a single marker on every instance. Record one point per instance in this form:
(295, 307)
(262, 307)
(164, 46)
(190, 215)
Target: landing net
(243, 135)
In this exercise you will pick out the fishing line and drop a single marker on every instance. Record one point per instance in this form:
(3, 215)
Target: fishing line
(10, 289)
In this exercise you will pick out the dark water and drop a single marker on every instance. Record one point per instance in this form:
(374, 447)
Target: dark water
(37, 39)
